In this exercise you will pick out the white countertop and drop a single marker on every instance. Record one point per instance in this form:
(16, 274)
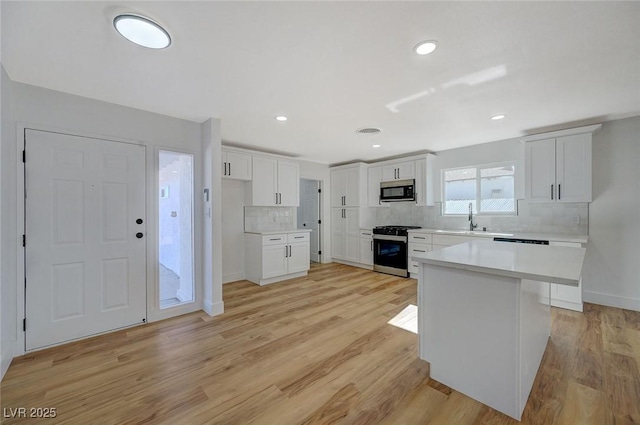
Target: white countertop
(544, 263)
(280, 232)
(488, 234)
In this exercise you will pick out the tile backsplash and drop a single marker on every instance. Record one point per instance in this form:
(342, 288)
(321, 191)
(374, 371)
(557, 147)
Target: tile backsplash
(567, 219)
(269, 219)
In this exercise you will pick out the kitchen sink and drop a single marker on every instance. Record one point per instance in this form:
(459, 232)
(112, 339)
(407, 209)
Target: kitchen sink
(472, 233)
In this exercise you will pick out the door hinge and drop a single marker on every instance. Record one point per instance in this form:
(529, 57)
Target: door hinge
(24, 156)
(319, 252)
(24, 241)
(24, 325)
(319, 221)
(319, 190)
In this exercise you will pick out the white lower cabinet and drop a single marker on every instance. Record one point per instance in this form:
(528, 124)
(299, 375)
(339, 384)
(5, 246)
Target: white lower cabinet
(272, 258)
(564, 296)
(366, 247)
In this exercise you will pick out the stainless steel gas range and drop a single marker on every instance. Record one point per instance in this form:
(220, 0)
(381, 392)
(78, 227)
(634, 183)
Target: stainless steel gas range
(390, 249)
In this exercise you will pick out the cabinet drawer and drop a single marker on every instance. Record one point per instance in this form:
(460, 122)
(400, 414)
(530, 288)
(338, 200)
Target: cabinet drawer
(413, 267)
(420, 237)
(274, 239)
(418, 250)
(449, 240)
(298, 237)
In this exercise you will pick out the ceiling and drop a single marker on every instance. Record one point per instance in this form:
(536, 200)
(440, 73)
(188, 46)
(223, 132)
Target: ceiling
(335, 67)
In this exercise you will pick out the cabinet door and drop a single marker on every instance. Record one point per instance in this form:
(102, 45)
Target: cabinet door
(289, 184)
(406, 170)
(352, 235)
(540, 171)
(573, 168)
(374, 177)
(421, 181)
(352, 187)
(238, 166)
(274, 261)
(265, 181)
(337, 188)
(337, 233)
(366, 251)
(389, 172)
(298, 257)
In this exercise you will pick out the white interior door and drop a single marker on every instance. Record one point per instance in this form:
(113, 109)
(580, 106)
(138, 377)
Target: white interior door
(309, 215)
(85, 237)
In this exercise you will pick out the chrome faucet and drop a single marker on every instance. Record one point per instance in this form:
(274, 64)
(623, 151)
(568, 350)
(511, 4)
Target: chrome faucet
(471, 225)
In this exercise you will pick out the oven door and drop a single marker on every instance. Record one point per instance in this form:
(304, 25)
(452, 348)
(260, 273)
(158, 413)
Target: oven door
(390, 254)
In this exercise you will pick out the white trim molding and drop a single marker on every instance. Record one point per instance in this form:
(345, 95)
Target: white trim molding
(611, 300)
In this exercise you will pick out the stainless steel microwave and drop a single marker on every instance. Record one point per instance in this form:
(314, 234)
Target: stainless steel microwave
(398, 191)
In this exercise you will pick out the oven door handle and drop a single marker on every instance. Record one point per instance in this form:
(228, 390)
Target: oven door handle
(390, 238)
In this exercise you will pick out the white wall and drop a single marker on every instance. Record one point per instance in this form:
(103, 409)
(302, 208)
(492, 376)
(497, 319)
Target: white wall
(46, 109)
(233, 230)
(315, 171)
(611, 274)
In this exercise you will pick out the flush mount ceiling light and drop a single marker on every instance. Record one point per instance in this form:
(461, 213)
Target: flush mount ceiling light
(425, 47)
(368, 130)
(142, 31)
(375, 146)
(281, 118)
(498, 117)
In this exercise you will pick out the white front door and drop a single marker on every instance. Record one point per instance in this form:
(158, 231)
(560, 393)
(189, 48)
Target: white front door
(85, 237)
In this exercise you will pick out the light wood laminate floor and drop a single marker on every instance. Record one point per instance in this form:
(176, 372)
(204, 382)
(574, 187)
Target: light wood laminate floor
(316, 350)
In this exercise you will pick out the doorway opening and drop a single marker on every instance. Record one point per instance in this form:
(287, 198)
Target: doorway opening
(175, 229)
(308, 215)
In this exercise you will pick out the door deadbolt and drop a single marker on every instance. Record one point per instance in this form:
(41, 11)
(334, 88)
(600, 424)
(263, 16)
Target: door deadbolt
(139, 235)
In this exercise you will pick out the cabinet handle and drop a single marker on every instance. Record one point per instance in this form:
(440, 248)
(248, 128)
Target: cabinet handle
(419, 250)
(559, 192)
(551, 192)
(279, 198)
(419, 237)
(229, 168)
(276, 198)
(225, 168)
(275, 239)
(298, 237)
(344, 213)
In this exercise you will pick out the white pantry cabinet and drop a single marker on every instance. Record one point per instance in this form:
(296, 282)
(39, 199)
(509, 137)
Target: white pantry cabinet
(275, 183)
(345, 185)
(236, 165)
(558, 166)
(345, 234)
(274, 257)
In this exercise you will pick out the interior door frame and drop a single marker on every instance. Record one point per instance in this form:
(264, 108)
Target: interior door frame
(151, 207)
(323, 223)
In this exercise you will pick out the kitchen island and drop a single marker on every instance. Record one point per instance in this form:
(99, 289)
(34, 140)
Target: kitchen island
(484, 316)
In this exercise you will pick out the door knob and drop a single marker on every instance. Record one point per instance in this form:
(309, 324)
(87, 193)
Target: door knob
(139, 235)
(139, 221)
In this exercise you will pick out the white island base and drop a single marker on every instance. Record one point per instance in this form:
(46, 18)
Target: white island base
(484, 335)
(484, 317)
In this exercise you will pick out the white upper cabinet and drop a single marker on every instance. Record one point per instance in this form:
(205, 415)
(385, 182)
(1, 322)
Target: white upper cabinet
(399, 171)
(236, 165)
(345, 187)
(374, 177)
(558, 169)
(275, 183)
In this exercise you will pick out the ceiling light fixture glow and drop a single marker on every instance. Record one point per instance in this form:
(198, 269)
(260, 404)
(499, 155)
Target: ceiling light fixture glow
(425, 47)
(375, 146)
(142, 31)
(281, 118)
(498, 117)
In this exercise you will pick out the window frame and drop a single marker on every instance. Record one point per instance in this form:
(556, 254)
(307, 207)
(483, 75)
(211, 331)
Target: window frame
(478, 179)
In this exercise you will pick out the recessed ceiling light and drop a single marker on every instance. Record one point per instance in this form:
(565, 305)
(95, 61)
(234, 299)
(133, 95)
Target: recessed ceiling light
(142, 31)
(498, 117)
(368, 130)
(375, 146)
(425, 47)
(281, 118)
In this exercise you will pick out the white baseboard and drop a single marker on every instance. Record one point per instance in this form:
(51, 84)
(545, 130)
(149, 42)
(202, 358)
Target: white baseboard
(213, 309)
(6, 358)
(233, 277)
(611, 300)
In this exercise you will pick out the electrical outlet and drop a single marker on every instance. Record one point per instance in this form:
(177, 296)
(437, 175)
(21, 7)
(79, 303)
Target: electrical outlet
(576, 219)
